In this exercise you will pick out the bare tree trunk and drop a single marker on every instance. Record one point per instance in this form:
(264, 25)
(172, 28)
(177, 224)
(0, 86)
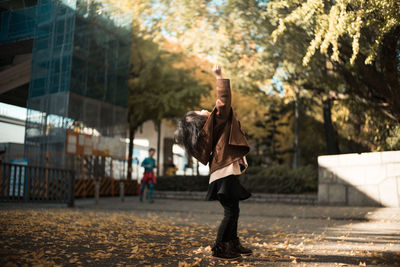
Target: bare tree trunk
(296, 131)
(158, 147)
(130, 152)
(330, 134)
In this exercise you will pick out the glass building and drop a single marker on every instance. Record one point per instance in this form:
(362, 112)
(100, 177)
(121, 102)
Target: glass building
(78, 77)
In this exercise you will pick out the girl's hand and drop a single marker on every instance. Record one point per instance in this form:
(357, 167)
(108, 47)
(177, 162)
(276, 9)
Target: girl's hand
(217, 71)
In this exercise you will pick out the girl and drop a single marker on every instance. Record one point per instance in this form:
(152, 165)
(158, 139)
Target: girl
(216, 138)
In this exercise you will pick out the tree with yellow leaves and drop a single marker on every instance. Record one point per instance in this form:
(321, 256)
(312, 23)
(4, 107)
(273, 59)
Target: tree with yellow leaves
(360, 39)
(343, 51)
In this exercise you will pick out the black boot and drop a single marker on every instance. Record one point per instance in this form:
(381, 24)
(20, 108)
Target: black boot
(224, 251)
(238, 248)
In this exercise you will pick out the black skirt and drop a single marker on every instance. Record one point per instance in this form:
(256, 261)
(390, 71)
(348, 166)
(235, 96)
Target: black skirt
(227, 188)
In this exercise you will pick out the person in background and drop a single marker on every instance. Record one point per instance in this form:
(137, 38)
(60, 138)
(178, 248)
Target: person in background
(149, 179)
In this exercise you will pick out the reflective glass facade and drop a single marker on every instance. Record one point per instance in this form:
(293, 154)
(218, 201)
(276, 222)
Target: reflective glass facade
(79, 75)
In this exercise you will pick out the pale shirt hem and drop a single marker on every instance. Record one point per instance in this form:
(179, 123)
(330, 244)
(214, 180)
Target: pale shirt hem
(231, 169)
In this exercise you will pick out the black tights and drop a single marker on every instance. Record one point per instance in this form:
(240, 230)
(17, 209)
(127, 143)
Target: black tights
(228, 228)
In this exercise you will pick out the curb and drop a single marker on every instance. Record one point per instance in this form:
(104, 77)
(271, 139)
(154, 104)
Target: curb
(300, 199)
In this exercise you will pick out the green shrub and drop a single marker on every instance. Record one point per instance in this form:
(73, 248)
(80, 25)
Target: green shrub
(272, 179)
(182, 183)
(254, 170)
(281, 179)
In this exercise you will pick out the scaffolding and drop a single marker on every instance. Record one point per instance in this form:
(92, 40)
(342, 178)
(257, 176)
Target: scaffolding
(17, 25)
(79, 74)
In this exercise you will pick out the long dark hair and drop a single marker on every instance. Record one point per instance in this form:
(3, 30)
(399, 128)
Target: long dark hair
(188, 131)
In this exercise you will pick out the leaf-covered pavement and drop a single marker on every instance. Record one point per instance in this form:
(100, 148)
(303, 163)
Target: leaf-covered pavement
(97, 237)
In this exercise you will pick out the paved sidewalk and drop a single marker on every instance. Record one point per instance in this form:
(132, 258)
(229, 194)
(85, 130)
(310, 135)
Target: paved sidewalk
(180, 233)
(320, 235)
(249, 209)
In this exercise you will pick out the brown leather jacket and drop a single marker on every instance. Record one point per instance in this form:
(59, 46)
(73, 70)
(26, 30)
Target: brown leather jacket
(221, 140)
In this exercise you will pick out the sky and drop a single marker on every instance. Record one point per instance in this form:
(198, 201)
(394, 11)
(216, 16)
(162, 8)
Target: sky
(12, 111)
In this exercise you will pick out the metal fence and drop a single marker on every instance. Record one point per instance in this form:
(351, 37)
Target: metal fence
(22, 183)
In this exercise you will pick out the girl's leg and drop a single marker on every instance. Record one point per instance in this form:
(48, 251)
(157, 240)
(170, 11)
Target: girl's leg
(142, 186)
(150, 194)
(224, 248)
(235, 240)
(228, 227)
(235, 222)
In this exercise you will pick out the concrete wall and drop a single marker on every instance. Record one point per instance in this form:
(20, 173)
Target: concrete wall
(367, 179)
(12, 130)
